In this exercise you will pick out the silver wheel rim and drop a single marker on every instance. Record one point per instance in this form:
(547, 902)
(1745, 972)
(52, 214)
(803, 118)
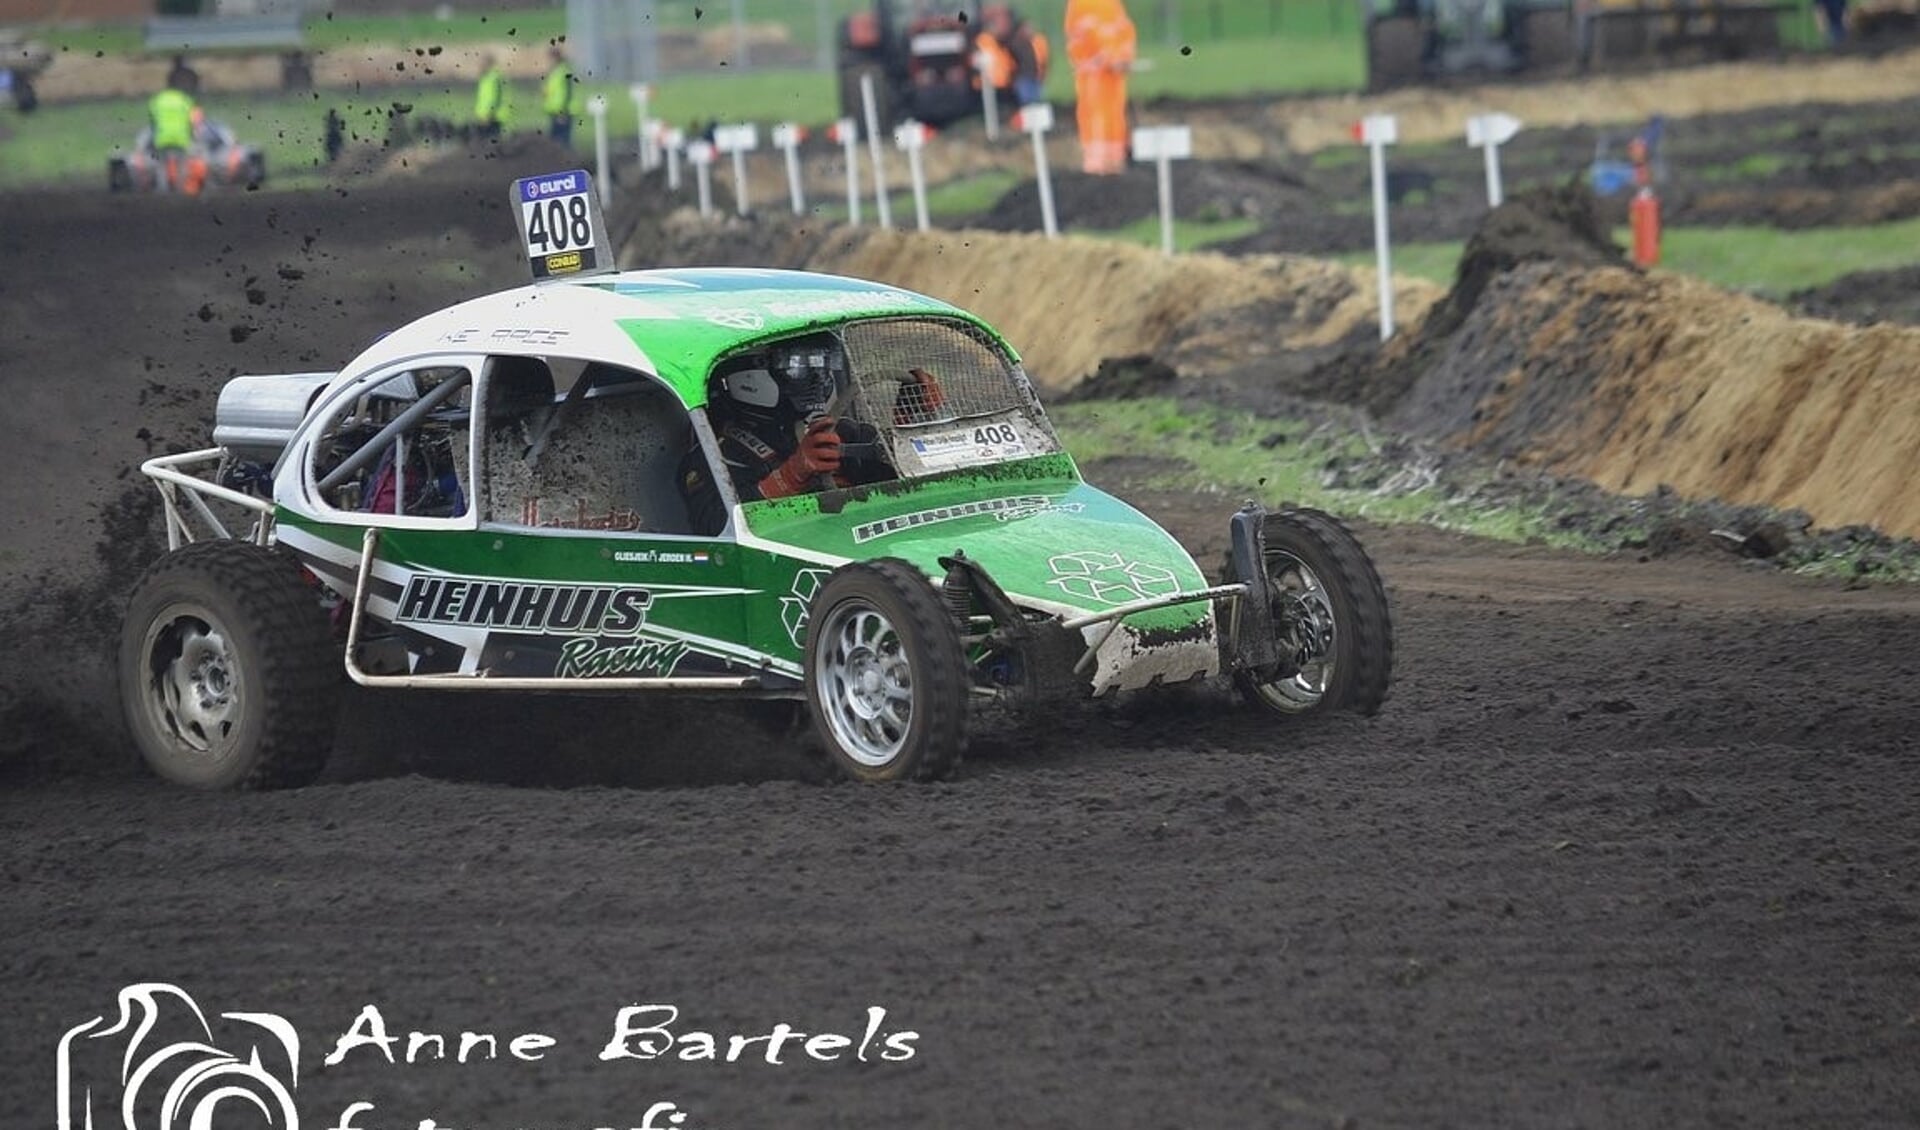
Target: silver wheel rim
(1309, 635)
(864, 683)
(193, 694)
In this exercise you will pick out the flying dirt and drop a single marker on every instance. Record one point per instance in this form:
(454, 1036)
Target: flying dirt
(1629, 844)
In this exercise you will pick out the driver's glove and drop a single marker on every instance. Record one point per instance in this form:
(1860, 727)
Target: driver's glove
(817, 455)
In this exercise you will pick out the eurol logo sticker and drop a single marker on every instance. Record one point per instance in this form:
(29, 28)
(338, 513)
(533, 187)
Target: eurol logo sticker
(158, 1061)
(556, 184)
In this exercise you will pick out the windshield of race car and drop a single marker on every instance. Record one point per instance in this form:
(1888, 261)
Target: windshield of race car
(933, 394)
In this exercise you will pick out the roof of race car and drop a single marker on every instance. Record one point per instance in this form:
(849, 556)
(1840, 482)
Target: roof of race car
(673, 323)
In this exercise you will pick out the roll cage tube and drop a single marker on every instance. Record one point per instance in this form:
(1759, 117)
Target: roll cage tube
(370, 450)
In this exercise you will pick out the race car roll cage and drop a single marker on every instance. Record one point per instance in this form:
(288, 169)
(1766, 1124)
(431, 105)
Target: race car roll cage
(1248, 643)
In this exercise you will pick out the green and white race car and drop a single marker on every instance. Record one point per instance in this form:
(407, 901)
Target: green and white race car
(507, 495)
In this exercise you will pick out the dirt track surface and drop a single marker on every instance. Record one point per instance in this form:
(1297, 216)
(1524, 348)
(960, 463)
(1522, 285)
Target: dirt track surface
(1631, 844)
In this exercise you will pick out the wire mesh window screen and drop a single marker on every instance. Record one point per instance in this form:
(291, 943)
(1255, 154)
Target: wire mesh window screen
(912, 372)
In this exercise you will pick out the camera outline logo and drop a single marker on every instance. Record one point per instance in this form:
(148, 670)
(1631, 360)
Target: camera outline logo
(183, 1082)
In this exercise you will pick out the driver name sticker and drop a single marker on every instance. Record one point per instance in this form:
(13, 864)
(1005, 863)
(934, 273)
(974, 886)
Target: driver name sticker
(560, 224)
(976, 443)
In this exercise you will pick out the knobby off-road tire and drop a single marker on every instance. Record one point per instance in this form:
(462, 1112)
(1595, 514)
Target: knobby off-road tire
(228, 674)
(886, 678)
(1332, 615)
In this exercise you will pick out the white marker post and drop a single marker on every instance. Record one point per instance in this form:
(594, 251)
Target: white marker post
(848, 135)
(787, 137)
(1376, 132)
(1163, 145)
(739, 141)
(674, 142)
(700, 155)
(989, 97)
(1489, 132)
(881, 205)
(603, 167)
(642, 95)
(911, 137)
(1036, 120)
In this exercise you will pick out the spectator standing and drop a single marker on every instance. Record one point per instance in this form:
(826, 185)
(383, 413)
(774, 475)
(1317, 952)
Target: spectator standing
(560, 97)
(492, 100)
(1100, 44)
(1031, 55)
(174, 117)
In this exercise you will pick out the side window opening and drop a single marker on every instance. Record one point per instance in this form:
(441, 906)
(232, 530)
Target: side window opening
(583, 446)
(400, 447)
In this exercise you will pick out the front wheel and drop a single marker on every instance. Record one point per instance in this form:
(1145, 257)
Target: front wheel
(886, 678)
(227, 669)
(1331, 616)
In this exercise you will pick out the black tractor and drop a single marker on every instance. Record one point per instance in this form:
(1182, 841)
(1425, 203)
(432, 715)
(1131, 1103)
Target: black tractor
(920, 59)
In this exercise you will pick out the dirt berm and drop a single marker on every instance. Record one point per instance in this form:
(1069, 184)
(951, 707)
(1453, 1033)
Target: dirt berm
(1549, 353)
(1069, 304)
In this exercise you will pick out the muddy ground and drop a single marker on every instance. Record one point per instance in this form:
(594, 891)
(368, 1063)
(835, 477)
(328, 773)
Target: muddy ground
(1631, 844)
(1803, 166)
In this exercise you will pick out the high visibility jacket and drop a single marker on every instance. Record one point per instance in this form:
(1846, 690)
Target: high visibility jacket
(561, 94)
(1099, 35)
(171, 114)
(999, 69)
(493, 100)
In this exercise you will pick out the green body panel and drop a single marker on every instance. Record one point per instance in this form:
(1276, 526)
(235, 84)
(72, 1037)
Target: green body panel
(717, 311)
(1049, 539)
(1044, 535)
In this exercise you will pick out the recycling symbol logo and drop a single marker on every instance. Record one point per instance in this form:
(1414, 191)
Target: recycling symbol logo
(737, 319)
(1108, 578)
(793, 609)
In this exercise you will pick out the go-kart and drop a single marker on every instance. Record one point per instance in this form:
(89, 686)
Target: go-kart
(493, 499)
(225, 159)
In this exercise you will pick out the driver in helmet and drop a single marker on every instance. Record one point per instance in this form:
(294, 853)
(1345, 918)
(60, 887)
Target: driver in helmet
(778, 432)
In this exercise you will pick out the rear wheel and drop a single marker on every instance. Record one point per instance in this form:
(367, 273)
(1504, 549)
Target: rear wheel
(886, 678)
(1331, 616)
(227, 669)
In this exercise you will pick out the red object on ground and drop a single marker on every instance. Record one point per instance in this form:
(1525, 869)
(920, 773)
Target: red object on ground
(1644, 216)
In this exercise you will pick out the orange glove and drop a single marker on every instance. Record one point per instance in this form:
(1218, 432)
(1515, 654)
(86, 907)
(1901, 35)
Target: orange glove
(818, 454)
(918, 400)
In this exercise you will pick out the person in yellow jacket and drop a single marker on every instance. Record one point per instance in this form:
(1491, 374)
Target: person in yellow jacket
(560, 97)
(492, 100)
(1100, 45)
(173, 117)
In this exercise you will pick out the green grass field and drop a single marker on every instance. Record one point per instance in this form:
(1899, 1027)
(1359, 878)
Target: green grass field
(1764, 261)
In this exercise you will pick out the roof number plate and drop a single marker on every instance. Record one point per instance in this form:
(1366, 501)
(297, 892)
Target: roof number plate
(561, 226)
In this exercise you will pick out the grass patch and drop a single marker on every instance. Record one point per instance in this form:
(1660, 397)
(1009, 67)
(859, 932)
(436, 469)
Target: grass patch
(1432, 261)
(1766, 261)
(1754, 166)
(1279, 460)
(1188, 235)
(1777, 263)
(967, 196)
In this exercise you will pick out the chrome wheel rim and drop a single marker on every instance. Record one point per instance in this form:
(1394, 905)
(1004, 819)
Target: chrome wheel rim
(864, 683)
(1309, 634)
(194, 693)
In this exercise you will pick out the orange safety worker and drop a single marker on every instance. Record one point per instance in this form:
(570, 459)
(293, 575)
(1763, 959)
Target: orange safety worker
(1100, 44)
(175, 119)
